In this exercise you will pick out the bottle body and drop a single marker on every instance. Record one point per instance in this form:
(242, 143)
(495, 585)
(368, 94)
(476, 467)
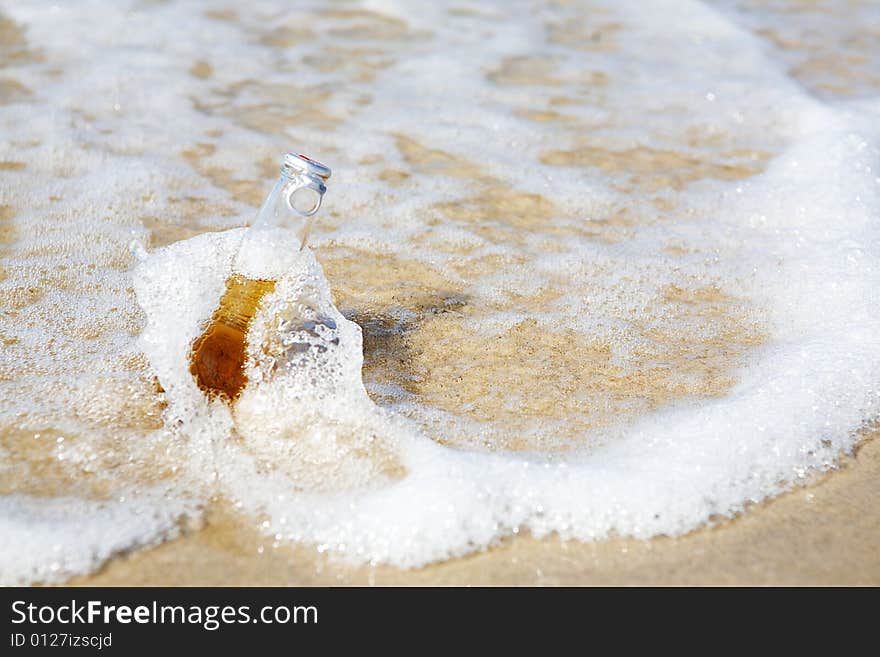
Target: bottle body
(271, 246)
(219, 354)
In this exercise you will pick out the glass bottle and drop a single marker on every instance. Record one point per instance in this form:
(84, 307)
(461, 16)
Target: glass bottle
(270, 247)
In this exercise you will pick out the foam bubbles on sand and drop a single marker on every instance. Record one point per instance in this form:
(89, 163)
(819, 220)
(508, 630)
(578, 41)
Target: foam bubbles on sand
(316, 458)
(591, 269)
(42, 549)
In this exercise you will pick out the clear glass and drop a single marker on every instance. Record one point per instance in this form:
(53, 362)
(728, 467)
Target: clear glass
(282, 226)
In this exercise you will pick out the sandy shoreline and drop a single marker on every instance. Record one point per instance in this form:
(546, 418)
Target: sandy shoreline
(607, 232)
(825, 533)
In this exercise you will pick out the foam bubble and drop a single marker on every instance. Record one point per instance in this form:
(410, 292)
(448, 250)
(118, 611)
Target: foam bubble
(43, 551)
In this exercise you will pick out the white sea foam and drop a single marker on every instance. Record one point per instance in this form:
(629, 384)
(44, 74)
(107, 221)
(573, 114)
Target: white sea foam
(305, 449)
(39, 533)
(798, 403)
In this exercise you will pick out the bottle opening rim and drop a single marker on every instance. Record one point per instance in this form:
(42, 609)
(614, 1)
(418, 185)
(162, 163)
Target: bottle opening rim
(307, 165)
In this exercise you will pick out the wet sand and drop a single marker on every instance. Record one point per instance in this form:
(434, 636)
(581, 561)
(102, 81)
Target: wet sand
(825, 533)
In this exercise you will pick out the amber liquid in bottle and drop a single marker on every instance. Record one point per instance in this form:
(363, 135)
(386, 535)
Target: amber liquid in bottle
(219, 355)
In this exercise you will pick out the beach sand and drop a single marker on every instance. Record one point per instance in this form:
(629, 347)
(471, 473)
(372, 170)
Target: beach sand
(474, 237)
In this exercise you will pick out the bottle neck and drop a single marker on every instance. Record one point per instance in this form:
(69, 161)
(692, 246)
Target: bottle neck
(275, 211)
(281, 228)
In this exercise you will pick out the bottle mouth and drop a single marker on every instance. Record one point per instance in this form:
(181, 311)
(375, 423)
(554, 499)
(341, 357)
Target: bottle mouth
(303, 164)
(306, 187)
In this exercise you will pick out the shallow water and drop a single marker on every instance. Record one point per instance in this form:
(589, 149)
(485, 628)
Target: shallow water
(611, 268)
